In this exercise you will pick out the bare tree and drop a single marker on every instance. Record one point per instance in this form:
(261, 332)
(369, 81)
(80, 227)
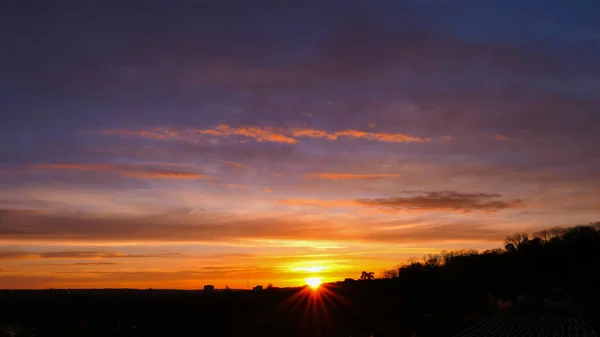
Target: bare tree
(433, 260)
(446, 256)
(512, 242)
(544, 235)
(390, 273)
(557, 232)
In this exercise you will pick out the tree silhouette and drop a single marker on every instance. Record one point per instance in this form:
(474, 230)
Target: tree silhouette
(366, 276)
(391, 273)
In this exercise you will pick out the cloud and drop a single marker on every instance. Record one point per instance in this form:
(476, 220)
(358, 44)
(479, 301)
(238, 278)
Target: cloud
(265, 134)
(135, 171)
(91, 264)
(350, 176)
(444, 201)
(73, 264)
(222, 228)
(500, 138)
(351, 133)
(260, 134)
(313, 133)
(9, 212)
(18, 256)
(418, 201)
(458, 232)
(381, 137)
(74, 255)
(234, 164)
(317, 202)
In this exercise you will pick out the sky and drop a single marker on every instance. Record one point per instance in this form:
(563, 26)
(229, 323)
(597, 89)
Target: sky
(172, 144)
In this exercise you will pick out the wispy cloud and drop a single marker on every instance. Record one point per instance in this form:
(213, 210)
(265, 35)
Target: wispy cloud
(73, 264)
(351, 176)
(214, 228)
(74, 255)
(317, 202)
(234, 164)
(135, 171)
(266, 134)
(417, 201)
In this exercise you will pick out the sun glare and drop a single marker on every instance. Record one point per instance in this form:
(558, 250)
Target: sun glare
(313, 282)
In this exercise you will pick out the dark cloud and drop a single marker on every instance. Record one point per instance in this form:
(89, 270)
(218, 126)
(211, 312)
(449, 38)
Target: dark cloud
(445, 201)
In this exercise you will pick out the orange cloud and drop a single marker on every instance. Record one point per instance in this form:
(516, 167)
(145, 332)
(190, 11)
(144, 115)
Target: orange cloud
(135, 171)
(164, 175)
(500, 138)
(70, 255)
(234, 164)
(265, 134)
(350, 176)
(313, 133)
(381, 137)
(268, 134)
(318, 202)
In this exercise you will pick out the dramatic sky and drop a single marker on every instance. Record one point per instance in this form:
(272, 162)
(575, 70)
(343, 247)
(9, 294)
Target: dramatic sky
(180, 143)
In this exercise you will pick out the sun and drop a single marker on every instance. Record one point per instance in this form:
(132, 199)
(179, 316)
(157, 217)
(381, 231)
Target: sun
(313, 282)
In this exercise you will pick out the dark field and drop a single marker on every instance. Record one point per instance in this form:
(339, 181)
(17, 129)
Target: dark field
(371, 307)
(378, 308)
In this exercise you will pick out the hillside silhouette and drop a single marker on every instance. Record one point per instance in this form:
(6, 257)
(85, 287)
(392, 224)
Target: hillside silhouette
(548, 276)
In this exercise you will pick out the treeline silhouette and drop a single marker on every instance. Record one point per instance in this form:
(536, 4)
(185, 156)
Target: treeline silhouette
(556, 260)
(554, 272)
(553, 268)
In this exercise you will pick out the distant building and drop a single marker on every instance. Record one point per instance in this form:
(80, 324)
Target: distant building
(258, 288)
(209, 288)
